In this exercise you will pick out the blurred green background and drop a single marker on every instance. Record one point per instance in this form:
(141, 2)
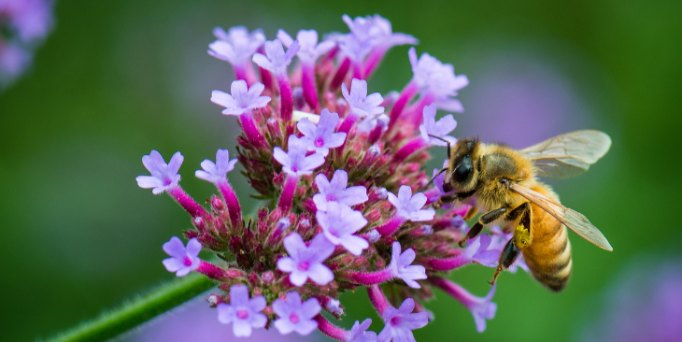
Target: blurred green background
(117, 79)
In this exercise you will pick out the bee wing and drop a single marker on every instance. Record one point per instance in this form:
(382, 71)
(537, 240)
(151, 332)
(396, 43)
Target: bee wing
(569, 154)
(569, 217)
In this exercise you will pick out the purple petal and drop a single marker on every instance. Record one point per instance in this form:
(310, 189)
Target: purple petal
(193, 247)
(174, 248)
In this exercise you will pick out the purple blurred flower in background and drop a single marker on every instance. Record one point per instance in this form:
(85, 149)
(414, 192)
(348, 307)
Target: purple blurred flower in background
(23, 25)
(516, 91)
(643, 304)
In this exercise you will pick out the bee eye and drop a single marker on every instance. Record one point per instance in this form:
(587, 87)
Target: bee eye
(463, 169)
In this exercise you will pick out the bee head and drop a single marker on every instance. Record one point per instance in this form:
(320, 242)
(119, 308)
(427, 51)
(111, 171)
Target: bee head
(462, 169)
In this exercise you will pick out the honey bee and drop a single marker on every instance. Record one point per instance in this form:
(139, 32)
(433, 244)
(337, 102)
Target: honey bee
(503, 182)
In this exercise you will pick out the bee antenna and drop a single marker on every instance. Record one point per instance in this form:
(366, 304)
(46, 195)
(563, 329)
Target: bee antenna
(443, 140)
(434, 177)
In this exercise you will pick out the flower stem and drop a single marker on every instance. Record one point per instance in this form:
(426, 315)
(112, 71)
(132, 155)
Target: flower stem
(140, 310)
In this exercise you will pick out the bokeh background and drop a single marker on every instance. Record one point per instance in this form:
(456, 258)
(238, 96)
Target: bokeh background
(117, 79)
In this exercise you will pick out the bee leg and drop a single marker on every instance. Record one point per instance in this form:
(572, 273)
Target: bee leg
(507, 257)
(483, 220)
(522, 233)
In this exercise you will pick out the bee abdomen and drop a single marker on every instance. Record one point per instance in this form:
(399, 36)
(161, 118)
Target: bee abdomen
(550, 261)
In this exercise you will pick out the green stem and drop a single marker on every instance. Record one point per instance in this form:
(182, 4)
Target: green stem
(139, 310)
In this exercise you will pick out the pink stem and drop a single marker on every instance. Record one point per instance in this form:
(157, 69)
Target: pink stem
(348, 123)
(455, 291)
(408, 149)
(376, 132)
(309, 86)
(370, 278)
(187, 202)
(240, 73)
(251, 131)
(330, 329)
(373, 61)
(390, 227)
(288, 191)
(378, 299)
(266, 78)
(286, 98)
(340, 74)
(345, 127)
(402, 101)
(357, 71)
(446, 264)
(213, 271)
(233, 207)
(416, 114)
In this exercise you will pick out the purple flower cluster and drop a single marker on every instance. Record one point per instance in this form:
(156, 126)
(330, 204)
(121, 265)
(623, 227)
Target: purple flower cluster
(343, 169)
(23, 24)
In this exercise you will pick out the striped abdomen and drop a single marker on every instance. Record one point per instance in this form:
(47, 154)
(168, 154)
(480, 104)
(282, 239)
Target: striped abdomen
(549, 254)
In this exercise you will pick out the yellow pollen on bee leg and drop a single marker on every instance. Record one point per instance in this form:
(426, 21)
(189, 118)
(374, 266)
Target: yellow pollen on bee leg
(522, 236)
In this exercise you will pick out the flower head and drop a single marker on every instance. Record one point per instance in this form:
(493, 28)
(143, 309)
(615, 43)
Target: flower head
(163, 176)
(276, 60)
(410, 207)
(296, 162)
(216, 172)
(309, 50)
(337, 190)
(339, 222)
(182, 259)
(322, 136)
(295, 315)
(400, 322)
(438, 79)
(359, 332)
(359, 102)
(306, 262)
(243, 312)
(242, 98)
(431, 128)
(401, 266)
(235, 46)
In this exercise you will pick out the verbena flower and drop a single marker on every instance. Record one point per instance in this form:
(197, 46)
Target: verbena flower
(431, 128)
(359, 332)
(306, 262)
(242, 99)
(237, 45)
(347, 203)
(243, 312)
(309, 49)
(359, 102)
(295, 315)
(401, 266)
(339, 222)
(163, 176)
(276, 60)
(438, 80)
(400, 322)
(296, 162)
(321, 136)
(216, 172)
(410, 206)
(337, 190)
(182, 259)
